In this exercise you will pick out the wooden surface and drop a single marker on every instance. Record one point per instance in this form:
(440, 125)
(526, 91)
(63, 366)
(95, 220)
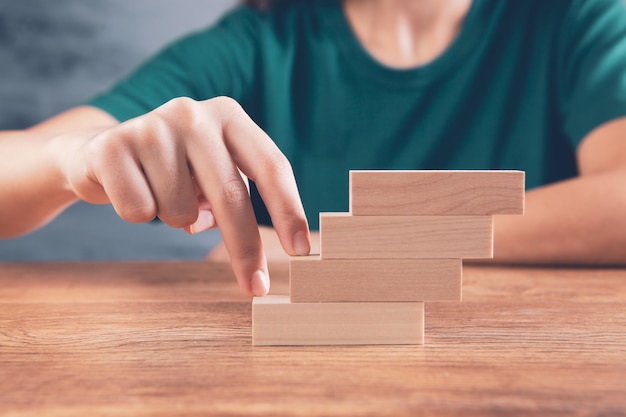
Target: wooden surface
(174, 339)
(312, 279)
(425, 193)
(343, 236)
(277, 321)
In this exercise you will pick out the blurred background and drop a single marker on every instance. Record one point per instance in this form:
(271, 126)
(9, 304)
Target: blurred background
(57, 54)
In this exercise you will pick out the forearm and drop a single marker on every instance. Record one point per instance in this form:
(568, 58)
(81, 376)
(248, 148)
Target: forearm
(579, 221)
(32, 187)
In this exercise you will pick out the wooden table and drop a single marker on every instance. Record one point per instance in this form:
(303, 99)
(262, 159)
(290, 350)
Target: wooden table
(174, 339)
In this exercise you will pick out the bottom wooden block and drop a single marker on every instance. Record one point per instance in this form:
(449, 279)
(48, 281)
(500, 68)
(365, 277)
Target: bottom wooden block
(277, 321)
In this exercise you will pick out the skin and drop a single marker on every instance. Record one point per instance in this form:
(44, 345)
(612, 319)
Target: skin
(183, 163)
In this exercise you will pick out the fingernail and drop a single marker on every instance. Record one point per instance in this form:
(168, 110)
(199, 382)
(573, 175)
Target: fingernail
(301, 243)
(205, 221)
(260, 284)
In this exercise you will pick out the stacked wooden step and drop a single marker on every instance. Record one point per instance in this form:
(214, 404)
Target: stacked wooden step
(401, 245)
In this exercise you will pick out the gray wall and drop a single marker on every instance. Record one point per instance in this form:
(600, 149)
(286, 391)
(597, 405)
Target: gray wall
(57, 54)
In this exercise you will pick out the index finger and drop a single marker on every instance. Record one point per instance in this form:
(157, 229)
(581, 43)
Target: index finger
(259, 158)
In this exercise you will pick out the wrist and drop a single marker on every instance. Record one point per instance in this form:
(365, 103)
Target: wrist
(62, 151)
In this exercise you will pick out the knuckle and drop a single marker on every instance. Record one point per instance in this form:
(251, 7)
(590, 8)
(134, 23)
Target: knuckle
(289, 214)
(107, 150)
(186, 116)
(150, 133)
(225, 102)
(152, 130)
(179, 217)
(246, 253)
(179, 104)
(108, 142)
(277, 165)
(235, 193)
(138, 212)
(179, 110)
(178, 220)
(227, 107)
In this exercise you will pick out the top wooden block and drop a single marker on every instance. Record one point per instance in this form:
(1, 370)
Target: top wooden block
(432, 193)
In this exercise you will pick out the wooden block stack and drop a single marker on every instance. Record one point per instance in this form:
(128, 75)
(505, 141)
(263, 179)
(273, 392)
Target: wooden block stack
(402, 244)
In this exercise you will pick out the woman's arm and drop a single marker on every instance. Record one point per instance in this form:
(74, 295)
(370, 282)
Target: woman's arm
(581, 221)
(33, 189)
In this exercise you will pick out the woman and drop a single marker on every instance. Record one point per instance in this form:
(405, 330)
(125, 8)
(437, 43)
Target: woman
(396, 84)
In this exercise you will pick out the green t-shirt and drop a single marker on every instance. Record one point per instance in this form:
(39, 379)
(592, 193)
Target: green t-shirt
(519, 88)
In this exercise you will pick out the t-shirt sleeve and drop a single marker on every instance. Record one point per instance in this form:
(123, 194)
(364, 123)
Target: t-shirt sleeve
(217, 61)
(592, 72)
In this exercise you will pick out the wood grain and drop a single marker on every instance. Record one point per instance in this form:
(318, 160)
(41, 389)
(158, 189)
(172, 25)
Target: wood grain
(312, 279)
(343, 236)
(425, 193)
(277, 321)
(174, 339)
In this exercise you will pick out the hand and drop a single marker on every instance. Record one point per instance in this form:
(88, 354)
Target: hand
(182, 163)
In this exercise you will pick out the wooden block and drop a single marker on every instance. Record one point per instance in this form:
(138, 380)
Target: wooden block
(343, 236)
(276, 321)
(312, 279)
(425, 193)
